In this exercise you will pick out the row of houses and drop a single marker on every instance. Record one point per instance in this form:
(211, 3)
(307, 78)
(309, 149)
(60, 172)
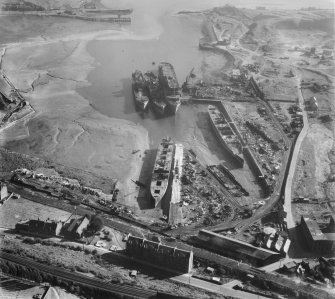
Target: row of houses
(73, 228)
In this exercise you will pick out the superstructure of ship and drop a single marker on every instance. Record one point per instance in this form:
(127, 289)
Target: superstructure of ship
(226, 135)
(170, 85)
(155, 92)
(140, 91)
(162, 170)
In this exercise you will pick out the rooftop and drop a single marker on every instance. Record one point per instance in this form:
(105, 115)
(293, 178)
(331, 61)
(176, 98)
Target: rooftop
(240, 246)
(314, 229)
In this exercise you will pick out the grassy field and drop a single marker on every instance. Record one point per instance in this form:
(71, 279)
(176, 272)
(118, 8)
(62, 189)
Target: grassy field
(15, 210)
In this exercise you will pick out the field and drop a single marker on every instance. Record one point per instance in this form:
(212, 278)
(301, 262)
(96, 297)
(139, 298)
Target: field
(15, 210)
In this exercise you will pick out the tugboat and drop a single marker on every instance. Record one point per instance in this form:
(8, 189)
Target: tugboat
(162, 170)
(170, 85)
(156, 95)
(140, 90)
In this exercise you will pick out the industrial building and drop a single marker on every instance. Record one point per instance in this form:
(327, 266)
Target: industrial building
(318, 240)
(237, 249)
(159, 255)
(39, 227)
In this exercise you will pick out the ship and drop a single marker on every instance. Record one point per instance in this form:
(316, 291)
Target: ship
(162, 170)
(140, 90)
(170, 86)
(226, 135)
(155, 92)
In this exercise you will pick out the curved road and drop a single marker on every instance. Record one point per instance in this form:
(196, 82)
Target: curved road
(288, 188)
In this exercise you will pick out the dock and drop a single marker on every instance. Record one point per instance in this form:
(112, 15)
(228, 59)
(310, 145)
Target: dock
(175, 210)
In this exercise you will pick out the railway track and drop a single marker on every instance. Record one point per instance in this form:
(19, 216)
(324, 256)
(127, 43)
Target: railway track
(129, 291)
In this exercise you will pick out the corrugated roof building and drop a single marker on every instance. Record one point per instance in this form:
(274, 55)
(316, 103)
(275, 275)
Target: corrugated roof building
(159, 255)
(237, 249)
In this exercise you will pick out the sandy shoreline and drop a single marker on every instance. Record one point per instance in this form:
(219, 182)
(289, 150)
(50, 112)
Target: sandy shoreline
(66, 128)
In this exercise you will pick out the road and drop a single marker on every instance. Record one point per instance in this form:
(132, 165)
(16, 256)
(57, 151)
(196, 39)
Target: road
(82, 279)
(291, 225)
(220, 289)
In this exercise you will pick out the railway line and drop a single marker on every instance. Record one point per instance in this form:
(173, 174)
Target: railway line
(123, 290)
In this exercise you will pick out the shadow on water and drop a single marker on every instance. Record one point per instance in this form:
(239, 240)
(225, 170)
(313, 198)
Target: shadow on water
(144, 198)
(126, 92)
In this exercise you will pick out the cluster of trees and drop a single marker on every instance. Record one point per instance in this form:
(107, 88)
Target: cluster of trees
(95, 225)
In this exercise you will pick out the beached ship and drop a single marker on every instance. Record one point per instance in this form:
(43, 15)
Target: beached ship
(156, 95)
(170, 85)
(140, 90)
(226, 135)
(162, 170)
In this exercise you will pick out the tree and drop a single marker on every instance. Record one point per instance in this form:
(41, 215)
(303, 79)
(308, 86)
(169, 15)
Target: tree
(96, 224)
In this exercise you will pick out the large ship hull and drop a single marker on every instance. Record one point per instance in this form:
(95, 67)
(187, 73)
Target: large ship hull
(219, 123)
(162, 170)
(156, 96)
(139, 90)
(168, 81)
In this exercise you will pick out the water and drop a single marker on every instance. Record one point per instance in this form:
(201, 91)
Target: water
(110, 90)
(156, 34)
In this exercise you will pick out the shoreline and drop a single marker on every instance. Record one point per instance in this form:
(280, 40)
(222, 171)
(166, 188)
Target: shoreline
(76, 127)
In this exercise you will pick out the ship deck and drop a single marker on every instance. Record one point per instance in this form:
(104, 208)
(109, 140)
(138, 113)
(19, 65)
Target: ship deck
(161, 171)
(224, 132)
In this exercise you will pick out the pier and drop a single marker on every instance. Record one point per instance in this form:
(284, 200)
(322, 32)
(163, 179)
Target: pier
(175, 211)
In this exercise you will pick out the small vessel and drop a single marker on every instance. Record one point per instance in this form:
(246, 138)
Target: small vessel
(226, 134)
(140, 90)
(156, 95)
(162, 170)
(170, 86)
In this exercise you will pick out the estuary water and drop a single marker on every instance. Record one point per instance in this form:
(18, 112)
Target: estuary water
(157, 33)
(172, 38)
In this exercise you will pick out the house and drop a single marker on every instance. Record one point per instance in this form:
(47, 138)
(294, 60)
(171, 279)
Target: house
(290, 266)
(76, 227)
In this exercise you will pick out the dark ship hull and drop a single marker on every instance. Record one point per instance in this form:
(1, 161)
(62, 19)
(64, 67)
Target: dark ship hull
(170, 86)
(140, 91)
